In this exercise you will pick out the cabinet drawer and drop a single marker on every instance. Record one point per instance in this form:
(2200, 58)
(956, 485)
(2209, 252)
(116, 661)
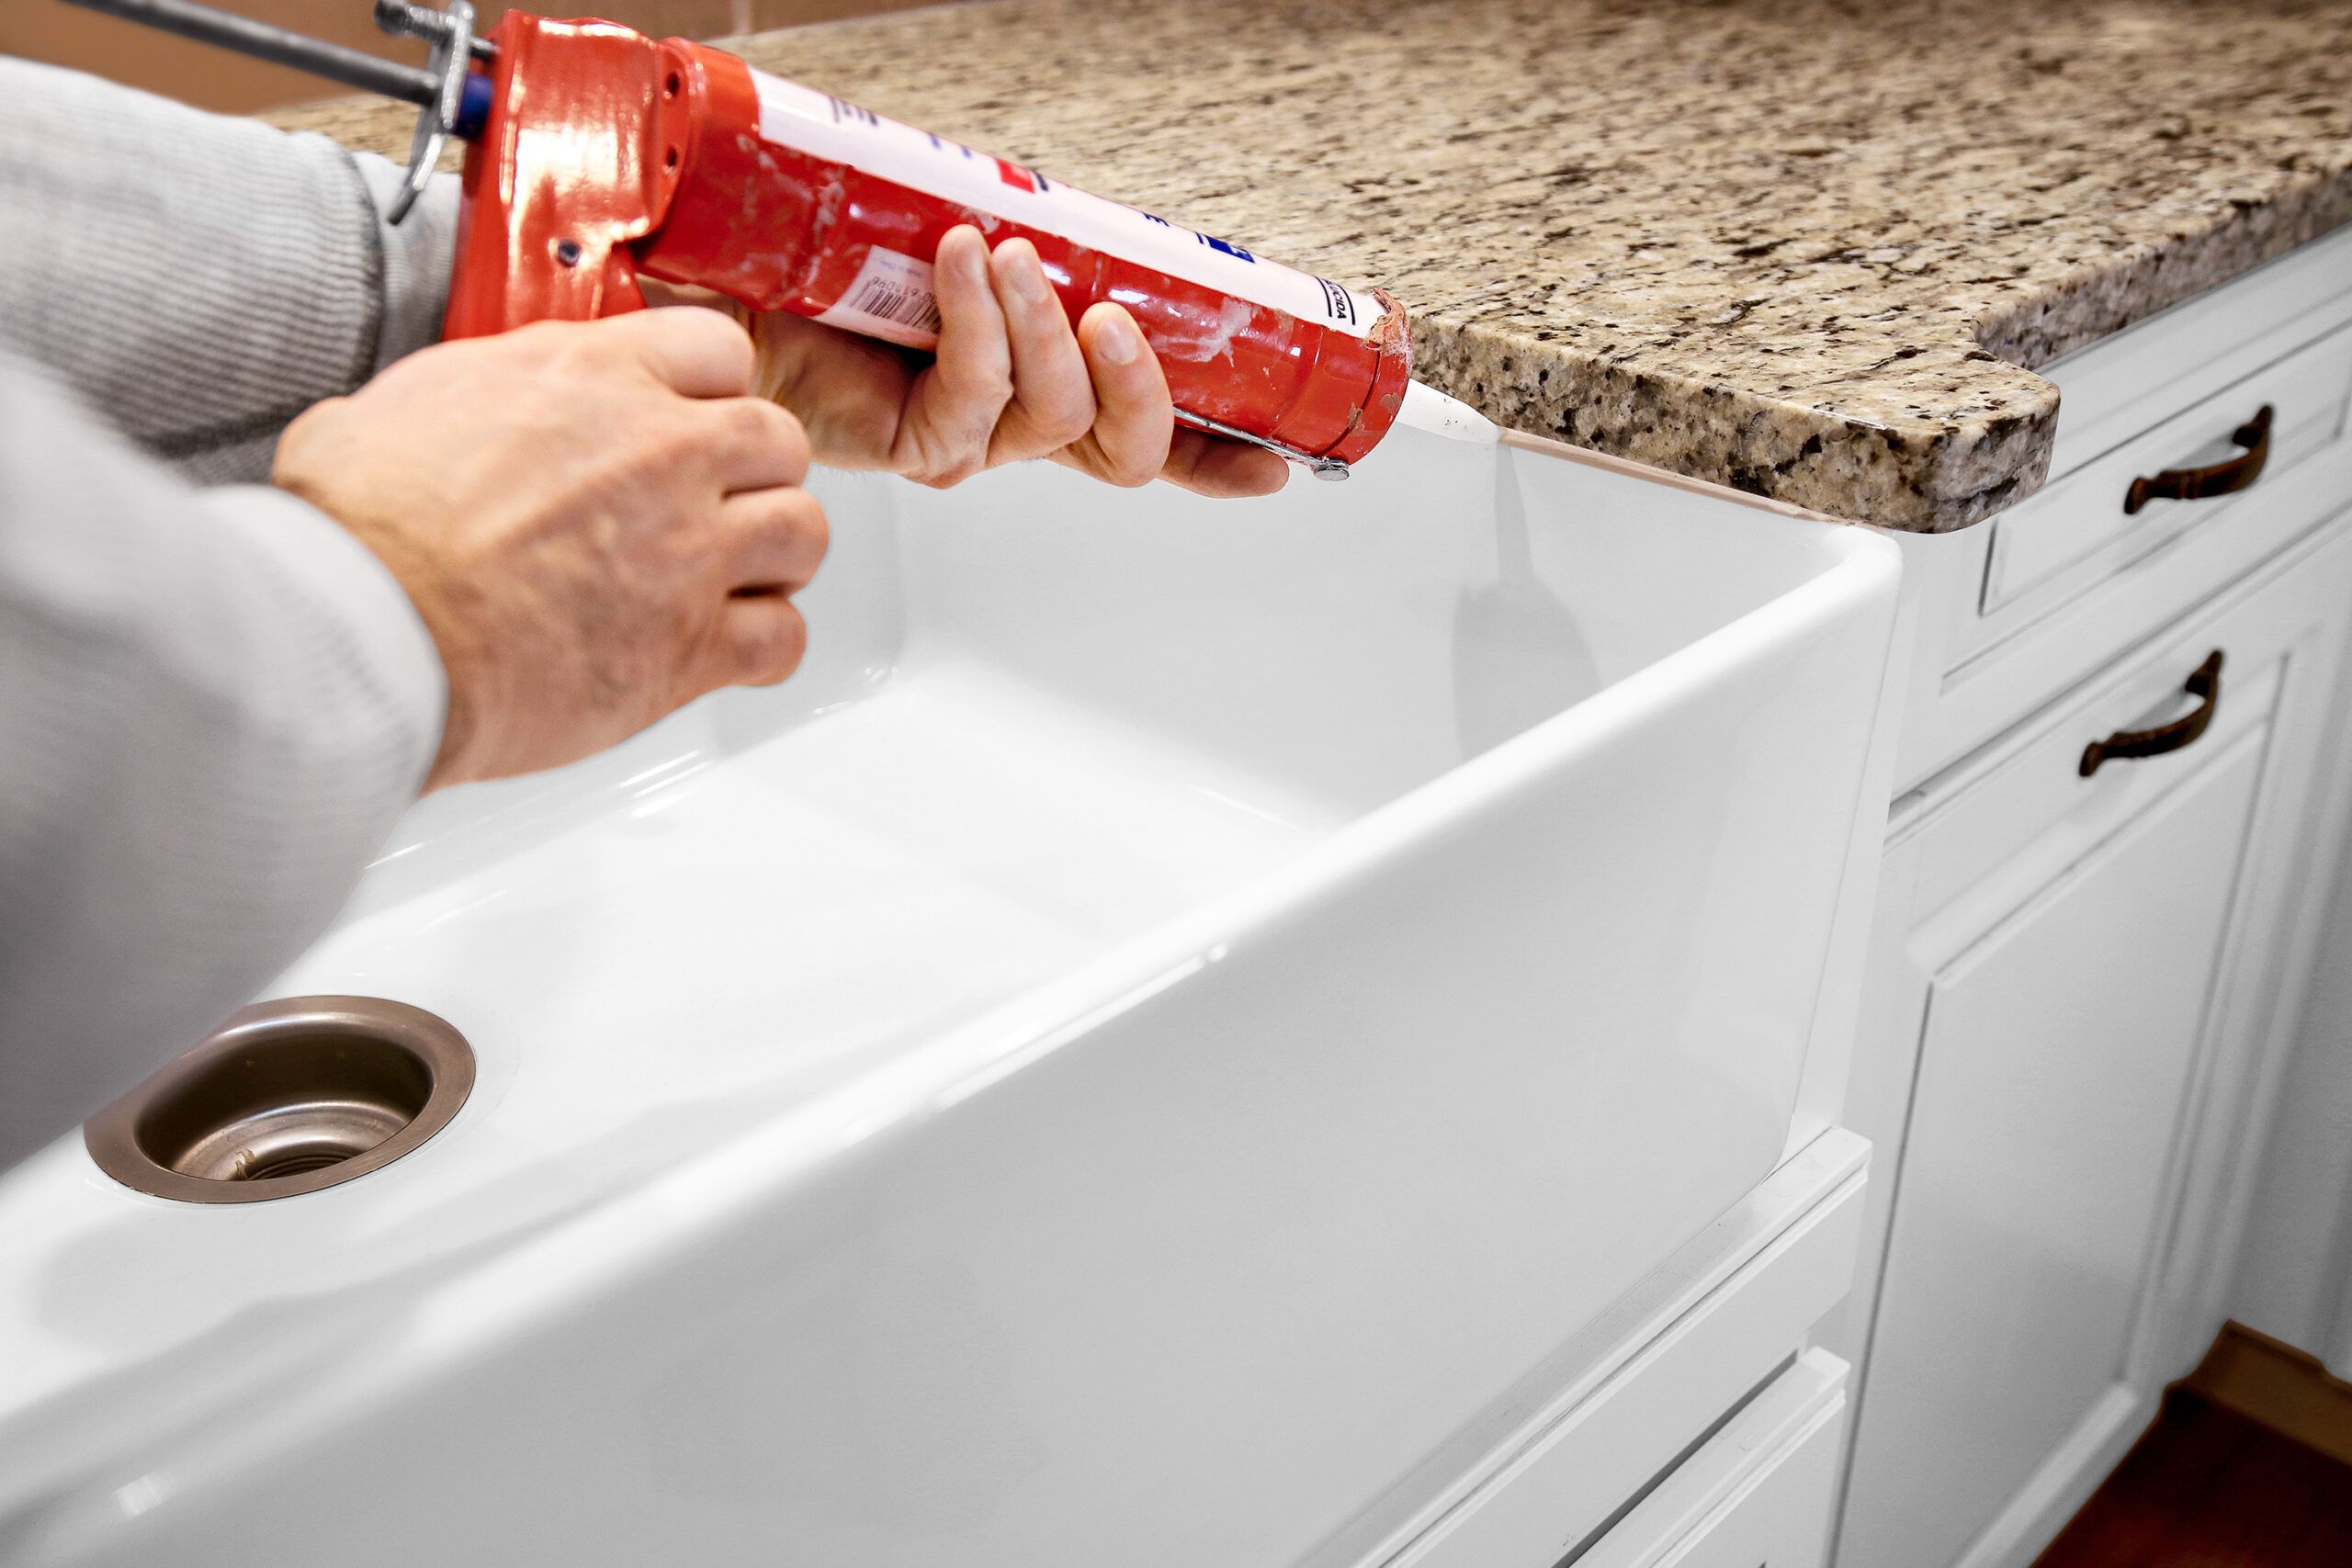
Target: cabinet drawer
(2135, 380)
(1951, 715)
(2011, 614)
(2038, 787)
(1755, 1495)
(1644, 1388)
(2077, 533)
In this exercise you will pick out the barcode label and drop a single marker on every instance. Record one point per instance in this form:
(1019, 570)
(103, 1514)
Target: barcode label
(899, 302)
(890, 298)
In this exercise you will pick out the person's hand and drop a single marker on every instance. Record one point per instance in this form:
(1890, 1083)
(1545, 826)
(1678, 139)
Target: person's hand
(1010, 380)
(595, 520)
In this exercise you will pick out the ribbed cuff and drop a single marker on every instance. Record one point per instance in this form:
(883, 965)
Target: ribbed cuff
(383, 640)
(419, 251)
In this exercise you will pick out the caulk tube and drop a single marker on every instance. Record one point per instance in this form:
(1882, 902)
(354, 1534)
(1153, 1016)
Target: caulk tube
(787, 199)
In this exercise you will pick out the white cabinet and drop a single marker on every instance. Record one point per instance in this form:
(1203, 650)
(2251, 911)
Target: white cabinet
(2068, 1030)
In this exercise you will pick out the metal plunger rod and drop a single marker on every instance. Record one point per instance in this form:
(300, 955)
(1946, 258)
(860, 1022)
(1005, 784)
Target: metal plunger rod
(332, 61)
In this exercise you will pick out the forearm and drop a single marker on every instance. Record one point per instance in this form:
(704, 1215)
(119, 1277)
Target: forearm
(200, 279)
(213, 706)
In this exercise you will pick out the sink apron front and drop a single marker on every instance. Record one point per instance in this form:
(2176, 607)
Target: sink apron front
(1171, 1017)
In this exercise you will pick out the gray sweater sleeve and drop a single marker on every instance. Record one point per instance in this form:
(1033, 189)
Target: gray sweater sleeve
(214, 702)
(200, 279)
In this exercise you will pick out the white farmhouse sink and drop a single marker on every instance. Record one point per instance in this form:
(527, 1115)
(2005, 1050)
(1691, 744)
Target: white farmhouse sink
(1172, 1014)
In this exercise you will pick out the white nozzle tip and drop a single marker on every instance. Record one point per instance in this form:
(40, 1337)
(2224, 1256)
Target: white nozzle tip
(1426, 408)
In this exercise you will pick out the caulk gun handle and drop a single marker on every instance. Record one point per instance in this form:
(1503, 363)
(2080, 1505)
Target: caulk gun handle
(575, 162)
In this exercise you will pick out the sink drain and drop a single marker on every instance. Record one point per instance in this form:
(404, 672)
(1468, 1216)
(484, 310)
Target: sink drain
(288, 1096)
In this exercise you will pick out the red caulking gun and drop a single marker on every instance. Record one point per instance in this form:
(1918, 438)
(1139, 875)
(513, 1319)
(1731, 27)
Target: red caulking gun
(600, 156)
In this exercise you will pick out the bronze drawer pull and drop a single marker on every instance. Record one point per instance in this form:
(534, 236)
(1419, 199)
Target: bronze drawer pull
(2216, 478)
(2204, 685)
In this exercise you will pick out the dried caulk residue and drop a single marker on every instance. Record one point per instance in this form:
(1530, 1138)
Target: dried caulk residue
(1216, 340)
(752, 220)
(1389, 331)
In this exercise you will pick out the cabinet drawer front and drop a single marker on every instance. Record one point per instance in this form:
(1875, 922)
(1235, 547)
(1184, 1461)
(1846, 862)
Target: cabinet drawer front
(2140, 378)
(2011, 614)
(1755, 1495)
(2171, 360)
(1682, 1360)
(2039, 788)
(1954, 715)
(2028, 786)
(2077, 533)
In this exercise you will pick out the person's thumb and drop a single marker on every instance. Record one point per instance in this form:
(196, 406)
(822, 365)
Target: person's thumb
(697, 352)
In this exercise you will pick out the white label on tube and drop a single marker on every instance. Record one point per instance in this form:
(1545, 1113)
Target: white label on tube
(891, 299)
(827, 128)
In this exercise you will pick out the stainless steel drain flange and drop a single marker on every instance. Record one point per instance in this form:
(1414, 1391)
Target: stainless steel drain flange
(287, 1097)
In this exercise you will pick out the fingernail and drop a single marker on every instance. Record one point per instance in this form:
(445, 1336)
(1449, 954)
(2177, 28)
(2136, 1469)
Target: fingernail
(1021, 272)
(1117, 340)
(1029, 278)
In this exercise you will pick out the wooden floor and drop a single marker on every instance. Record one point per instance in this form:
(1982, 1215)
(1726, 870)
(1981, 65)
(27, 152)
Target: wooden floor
(2245, 1467)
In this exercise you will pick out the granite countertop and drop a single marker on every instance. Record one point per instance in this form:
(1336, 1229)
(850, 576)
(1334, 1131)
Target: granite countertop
(1810, 248)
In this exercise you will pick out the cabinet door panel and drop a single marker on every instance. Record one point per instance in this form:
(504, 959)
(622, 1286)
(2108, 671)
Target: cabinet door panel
(2052, 1071)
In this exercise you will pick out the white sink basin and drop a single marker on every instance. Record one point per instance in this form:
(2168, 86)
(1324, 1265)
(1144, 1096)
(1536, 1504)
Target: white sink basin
(1174, 1012)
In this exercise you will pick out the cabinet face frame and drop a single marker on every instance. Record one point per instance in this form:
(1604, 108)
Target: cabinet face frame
(2295, 610)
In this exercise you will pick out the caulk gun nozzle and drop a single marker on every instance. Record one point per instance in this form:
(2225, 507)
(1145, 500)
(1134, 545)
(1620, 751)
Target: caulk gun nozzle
(1426, 408)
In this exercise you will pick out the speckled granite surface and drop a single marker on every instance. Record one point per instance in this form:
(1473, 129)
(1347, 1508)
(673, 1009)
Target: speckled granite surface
(1806, 247)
